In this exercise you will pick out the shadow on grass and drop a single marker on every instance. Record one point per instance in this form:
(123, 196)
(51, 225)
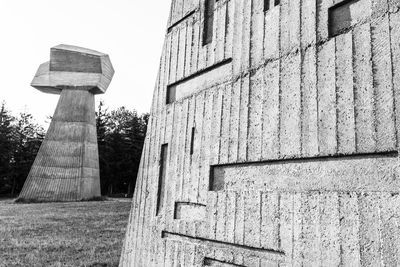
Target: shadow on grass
(36, 201)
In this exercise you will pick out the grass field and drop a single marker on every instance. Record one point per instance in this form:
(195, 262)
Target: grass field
(62, 234)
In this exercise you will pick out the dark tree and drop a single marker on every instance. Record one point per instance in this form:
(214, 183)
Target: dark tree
(121, 136)
(6, 149)
(102, 120)
(28, 136)
(20, 139)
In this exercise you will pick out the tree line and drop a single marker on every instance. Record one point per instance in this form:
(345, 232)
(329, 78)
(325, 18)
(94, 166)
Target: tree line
(120, 136)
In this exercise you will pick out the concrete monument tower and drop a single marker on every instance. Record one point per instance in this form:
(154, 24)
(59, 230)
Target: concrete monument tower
(273, 138)
(67, 165)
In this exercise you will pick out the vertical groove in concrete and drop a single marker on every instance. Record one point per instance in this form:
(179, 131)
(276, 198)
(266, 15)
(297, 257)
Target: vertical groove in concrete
(381, 62)
(345, 101)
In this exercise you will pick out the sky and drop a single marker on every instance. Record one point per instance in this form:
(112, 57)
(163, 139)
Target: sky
(131, 32)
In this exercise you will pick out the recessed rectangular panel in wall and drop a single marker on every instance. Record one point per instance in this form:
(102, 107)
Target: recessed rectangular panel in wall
(246, 251)
(270, 4)
(216, 74)
(208, 21)
(190, 211)
(357, 173)
(171, 94)
(346, 14)
(266, 5)
(162, 177)
(192, 140)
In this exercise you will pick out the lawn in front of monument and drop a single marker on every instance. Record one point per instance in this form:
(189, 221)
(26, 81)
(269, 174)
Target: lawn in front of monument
(62, 234)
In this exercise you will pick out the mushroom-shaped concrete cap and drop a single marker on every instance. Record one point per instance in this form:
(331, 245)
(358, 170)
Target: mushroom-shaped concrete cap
(73, 67)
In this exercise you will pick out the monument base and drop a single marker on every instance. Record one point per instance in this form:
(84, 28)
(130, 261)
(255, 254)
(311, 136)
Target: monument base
(66, 167)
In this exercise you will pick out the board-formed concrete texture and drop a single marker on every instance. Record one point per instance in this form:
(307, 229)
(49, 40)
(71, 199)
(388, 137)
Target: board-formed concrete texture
(67, 165)
(275, 143)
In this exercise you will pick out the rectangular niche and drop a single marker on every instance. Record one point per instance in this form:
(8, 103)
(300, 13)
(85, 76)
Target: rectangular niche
(346, 14)
(171, 94)
(216, 74)
(189, 211)
(350, 173)
(208, 21)
(161, 177)
(268, 4)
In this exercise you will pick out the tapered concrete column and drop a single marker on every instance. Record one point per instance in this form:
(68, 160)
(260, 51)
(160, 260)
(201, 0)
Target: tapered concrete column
(67, 165)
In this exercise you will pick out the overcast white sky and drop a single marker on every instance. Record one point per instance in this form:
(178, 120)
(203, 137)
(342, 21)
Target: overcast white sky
(130, 31)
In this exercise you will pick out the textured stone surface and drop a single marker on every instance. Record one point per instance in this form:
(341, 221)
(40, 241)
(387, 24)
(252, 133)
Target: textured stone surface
(67, 165)
(303, 129)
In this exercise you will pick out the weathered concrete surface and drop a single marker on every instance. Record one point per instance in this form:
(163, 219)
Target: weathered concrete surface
(303, 130)
(67, 165)
(364, 173)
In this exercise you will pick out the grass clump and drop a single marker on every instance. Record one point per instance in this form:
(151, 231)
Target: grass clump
(62, 234)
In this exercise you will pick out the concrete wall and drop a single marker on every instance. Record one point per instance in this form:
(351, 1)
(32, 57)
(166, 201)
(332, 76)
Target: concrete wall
(304, 131)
